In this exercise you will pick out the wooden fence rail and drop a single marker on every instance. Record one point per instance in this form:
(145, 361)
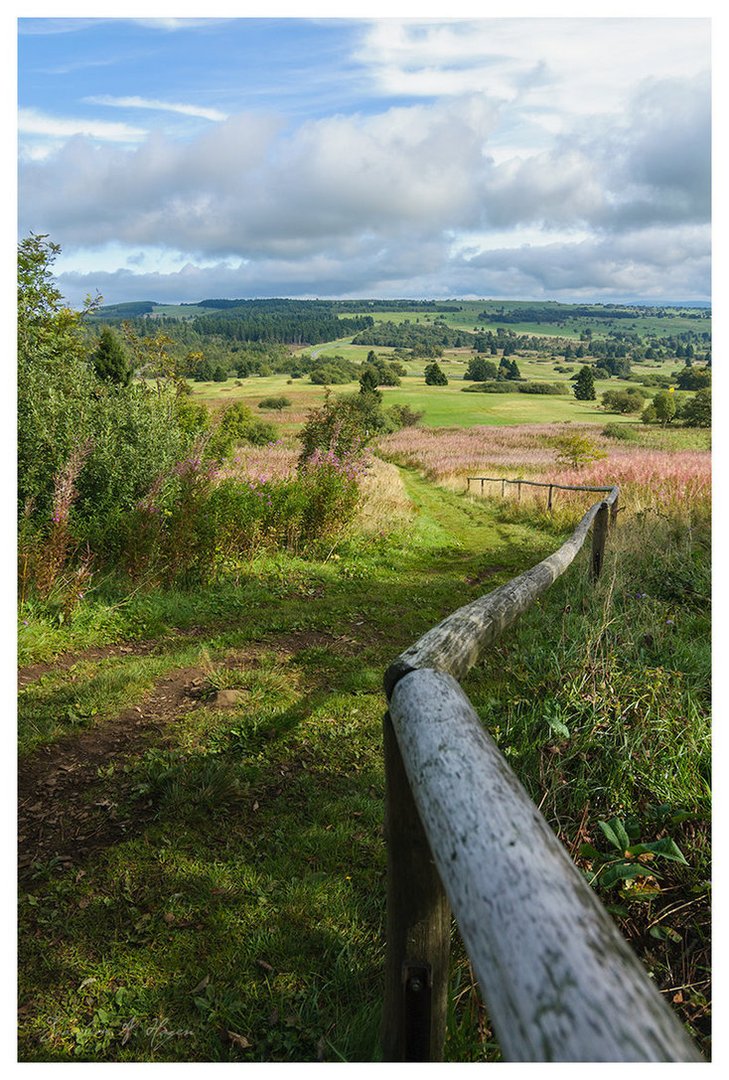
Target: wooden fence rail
(559, 981)
(503, 480)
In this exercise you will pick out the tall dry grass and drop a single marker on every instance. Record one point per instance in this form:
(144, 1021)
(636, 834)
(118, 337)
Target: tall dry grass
(677, 481)
(386, 506)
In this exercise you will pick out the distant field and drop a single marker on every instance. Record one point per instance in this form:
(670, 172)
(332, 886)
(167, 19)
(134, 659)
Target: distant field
(443, 406)
(671, 321)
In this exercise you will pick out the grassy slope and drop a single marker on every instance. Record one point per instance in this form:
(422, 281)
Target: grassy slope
(284, 864)
(252, 902)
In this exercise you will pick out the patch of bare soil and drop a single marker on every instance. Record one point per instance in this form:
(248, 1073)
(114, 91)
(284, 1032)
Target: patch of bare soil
(66, 810)
(31, 672)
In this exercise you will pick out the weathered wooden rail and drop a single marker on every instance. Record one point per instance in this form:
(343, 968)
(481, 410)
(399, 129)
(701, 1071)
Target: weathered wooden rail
(503, 480)
(559, 980)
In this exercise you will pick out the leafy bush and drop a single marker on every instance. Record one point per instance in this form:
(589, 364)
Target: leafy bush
(131, 432)
(542, 388)
(509, 386)
(629, 400)
(495, 387)
(343, 425)
(277, 402)
(576, 451)
(621, 432)
(404, 416)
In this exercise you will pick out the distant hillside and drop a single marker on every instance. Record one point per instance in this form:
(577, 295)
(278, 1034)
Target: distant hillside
(132, 309)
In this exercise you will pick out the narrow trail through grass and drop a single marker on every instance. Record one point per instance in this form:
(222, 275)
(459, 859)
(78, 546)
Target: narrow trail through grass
(237, 850)
(204, 879)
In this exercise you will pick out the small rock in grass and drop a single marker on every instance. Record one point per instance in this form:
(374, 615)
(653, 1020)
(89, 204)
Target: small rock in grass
(227, 699)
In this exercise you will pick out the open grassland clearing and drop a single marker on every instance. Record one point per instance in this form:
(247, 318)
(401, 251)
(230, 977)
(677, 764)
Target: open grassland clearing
(442, 406)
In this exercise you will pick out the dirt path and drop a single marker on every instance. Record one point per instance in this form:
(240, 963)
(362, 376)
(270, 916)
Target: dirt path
(67, 810)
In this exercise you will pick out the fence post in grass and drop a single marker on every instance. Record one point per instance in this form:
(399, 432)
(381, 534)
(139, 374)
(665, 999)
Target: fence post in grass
(599, 534)
(418, 926)
(549, 499)
(518, 491)
(482, 488)
(503, 488)
(614, 512)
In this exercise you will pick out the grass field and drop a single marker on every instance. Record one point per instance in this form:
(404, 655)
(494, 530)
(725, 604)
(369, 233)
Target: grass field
(204, 880)
(442, 406)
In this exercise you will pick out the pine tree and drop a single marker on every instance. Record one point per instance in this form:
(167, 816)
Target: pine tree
(585, 384)
(435, 376)
(109, 360)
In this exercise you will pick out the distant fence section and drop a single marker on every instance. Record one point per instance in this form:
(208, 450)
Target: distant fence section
(463, 837)
(541, 484)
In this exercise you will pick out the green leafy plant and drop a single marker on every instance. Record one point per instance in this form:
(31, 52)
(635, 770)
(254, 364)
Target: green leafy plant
(633, 860)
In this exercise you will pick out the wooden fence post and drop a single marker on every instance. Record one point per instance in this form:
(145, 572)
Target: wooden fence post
(599, 534)
(518, 491)
(482, 488)
(614, 513)
(418, 926)
(549, 500)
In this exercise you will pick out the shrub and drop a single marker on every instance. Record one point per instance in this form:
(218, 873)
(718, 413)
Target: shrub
(132, 432)
(404, 416)
(435, 376)
(542, 388)
(508, 386)
(621, 432)
(237, 424)
(629, 400)
(576, 451)
(496, 387)
(343, 425)
(277, 402)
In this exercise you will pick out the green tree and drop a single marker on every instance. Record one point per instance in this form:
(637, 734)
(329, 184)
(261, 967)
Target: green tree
(480, 370)
(109, 359)
(577, 450)
(664, 404)
(697, 410)
(584, 387)
(369, 380)
(435, 376)
(693, 378)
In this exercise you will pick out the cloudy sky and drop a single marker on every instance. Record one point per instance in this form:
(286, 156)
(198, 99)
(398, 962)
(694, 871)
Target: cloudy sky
(177, 159)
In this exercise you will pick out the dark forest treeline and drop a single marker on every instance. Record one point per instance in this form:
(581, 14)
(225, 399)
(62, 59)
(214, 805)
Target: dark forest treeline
(553, 312)
(288, 327)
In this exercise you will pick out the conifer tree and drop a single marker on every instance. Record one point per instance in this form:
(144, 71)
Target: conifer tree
(109, 360)
(585, 384)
